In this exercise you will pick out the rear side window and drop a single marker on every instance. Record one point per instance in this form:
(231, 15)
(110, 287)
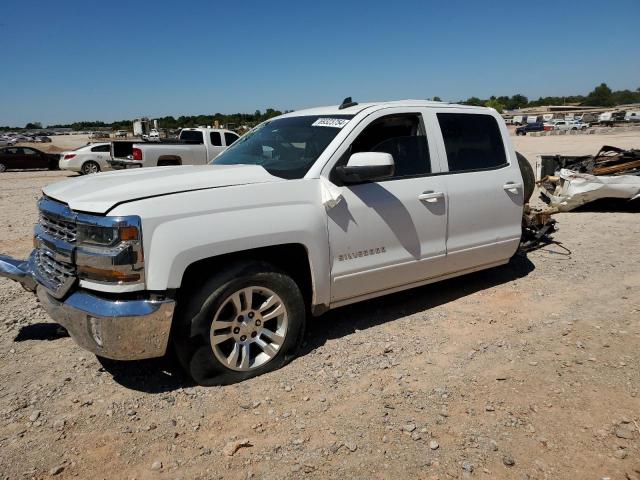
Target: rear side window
(229, 138)
(191, 136)
(472, 141)
(216, 139)
(101, 148)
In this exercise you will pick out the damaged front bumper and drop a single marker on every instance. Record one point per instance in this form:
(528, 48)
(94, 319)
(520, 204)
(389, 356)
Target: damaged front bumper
(118, 329)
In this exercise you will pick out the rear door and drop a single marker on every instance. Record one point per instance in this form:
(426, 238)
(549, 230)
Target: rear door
(34, 159)
(216, 147)
(484, 188)
(102, 153)
(389, 233)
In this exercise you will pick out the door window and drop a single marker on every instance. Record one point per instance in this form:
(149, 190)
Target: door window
(29, 151)
(216, 139)
(403, 136)
(229, 138)
(472, 141)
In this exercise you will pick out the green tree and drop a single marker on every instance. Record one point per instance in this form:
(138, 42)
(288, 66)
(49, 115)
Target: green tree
(436, 99)
(33, 125)
(601, 96)
(475, 101)
(495, 104)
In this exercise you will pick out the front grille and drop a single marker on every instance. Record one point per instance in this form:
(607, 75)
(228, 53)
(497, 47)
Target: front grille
(61, 229)
(56, 276)
(54, 257)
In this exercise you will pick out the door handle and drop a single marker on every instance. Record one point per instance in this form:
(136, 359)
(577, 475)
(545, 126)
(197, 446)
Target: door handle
(512, 187)
(430, 196)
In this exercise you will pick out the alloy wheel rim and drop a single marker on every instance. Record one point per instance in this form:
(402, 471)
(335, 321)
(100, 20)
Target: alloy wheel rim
(249, 328)
(92, 168)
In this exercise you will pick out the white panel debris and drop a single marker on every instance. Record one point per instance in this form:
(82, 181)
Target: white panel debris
(575, 189)
(330, 193)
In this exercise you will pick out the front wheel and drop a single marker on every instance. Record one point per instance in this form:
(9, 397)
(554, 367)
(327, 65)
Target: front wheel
(242, 322)
(3, 167)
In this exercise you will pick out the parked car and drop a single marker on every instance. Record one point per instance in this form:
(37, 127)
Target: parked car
(41, 139)
(92, 158)
(195, 146)
(309, 211)
(7, 141)
(95, 135)
(153, 136)
(121, 134)
(18, 158)
(530, 127)
(632, 116)
(569, 125)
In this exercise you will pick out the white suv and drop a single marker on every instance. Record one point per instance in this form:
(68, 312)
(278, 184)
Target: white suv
(92, 158)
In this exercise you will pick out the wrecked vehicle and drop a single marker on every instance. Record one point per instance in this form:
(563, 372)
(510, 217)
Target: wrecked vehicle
(568, 182)
(310, 211)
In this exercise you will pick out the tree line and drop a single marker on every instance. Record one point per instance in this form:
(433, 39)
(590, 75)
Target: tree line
(600, 96)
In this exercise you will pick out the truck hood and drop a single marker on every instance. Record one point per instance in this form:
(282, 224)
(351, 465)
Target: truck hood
(100, 193)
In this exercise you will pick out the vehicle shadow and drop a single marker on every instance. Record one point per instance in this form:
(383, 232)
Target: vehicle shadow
(610, 205)
(156, 375)
(361, 316)
(41, 331)
(163, 375)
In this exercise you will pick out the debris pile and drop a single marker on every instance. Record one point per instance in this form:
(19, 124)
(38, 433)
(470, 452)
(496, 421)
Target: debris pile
(570, 182)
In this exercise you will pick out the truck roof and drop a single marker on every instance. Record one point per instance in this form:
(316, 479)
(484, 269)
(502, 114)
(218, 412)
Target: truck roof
(353, 110)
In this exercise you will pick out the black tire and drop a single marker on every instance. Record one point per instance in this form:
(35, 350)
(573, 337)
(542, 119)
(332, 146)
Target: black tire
(89, 167)
(3, 167)
(528, 177)
(197, 307)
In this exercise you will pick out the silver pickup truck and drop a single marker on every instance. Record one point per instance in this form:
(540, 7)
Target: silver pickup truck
(195, 146)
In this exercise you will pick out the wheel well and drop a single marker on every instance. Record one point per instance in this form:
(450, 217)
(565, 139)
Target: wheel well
(169, 160)
(291, 258)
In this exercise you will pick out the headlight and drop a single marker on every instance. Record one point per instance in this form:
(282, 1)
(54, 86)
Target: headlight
(105, 235)
(109, 249)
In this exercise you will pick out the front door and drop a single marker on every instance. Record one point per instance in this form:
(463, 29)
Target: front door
(389, 233)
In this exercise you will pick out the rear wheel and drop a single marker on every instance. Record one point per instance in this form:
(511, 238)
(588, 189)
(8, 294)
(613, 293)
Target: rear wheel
(3, 167)
(528, 177)
(90, 167)
(242, 322)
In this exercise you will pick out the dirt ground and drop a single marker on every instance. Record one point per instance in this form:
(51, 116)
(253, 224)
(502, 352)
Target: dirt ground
(527, 371)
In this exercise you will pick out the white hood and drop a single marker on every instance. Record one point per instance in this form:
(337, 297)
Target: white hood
(101, 192)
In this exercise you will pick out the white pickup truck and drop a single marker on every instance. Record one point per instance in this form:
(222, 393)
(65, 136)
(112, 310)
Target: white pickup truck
(569, 125)
(195, 146)
(309, 211)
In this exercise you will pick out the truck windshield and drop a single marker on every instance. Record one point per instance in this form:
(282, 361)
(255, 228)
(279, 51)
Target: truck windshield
(285, 147)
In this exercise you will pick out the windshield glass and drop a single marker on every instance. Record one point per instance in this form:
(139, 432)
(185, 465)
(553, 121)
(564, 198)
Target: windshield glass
(285, 147)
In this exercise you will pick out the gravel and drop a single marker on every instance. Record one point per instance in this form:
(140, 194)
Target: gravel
(379, 385)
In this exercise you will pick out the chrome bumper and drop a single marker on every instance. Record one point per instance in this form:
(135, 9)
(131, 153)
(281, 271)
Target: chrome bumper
(122, 330)
(118, 329)
(18, 270)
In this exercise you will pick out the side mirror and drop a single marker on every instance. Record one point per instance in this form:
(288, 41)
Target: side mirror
(367, 166)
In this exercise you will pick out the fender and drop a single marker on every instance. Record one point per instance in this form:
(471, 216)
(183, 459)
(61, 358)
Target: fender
(179, 230)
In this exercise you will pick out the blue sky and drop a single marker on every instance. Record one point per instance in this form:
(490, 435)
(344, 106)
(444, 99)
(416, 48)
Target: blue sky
(65, 61)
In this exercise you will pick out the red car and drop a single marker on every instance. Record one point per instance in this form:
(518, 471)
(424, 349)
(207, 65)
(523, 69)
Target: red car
(26, 157)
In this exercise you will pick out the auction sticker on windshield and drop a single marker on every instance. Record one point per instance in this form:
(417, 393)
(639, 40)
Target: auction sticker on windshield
(330, 122)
